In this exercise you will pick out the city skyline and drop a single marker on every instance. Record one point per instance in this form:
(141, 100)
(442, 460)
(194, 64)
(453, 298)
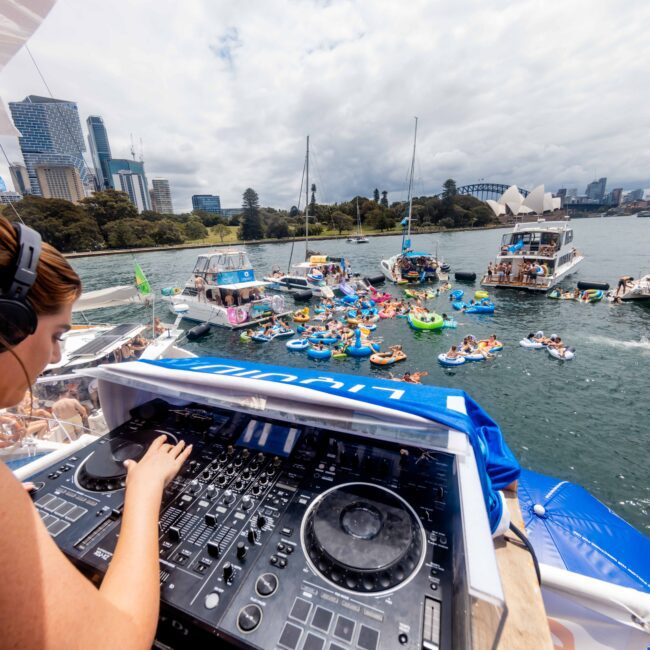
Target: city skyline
(226, 102)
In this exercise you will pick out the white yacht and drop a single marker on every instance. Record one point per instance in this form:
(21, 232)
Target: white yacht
(359, 238)
(223, 291)
(538, 255)
(320, 274)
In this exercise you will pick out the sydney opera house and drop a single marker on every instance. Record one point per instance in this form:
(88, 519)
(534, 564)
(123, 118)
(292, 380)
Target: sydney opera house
(513, 204)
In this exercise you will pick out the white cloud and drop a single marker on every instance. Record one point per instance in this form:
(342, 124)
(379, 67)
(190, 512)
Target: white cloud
(223, 94)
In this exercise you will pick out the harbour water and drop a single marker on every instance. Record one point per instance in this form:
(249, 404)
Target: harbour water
(585, 421)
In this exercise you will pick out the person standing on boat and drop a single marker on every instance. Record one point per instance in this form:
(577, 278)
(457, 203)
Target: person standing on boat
(47, 602)
(623, 283)
(199, 285)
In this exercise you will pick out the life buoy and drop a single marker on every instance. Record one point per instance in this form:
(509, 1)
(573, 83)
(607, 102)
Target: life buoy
(241, 315)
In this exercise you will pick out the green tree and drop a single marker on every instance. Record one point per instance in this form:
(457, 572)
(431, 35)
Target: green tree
(375, 195)
(277, 229)
(209, 219)
(221, 230)
(62, 224)
(384, 199)
(483, 215)
(129, 233)
(251, 225)
(342, 221)
(150, 215)
(167, 232)
(385, 221)
(194, 229)
(109, 205)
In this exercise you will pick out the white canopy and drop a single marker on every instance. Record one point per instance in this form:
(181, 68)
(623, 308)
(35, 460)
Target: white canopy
(109, 297)
(243, 285)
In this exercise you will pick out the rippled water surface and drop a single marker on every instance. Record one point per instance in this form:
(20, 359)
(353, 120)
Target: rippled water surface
(587, 420)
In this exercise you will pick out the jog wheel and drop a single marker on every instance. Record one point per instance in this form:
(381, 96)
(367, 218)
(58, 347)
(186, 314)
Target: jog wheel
(363, 538)
(104, 471)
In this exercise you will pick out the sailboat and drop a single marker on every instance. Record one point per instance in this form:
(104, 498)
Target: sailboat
(410, 265)
(319, 274)
(358, 238)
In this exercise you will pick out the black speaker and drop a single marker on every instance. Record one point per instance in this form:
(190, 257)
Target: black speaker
(17, 315)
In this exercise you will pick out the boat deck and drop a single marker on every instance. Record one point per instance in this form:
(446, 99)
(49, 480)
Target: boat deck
(526, 625)
(514, 284)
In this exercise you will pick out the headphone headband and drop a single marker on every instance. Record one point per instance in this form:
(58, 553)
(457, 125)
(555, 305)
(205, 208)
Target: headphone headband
(29, 252)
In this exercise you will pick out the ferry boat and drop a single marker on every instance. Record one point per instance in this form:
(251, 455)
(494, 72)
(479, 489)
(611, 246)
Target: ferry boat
(399, 504)
(223, 291)
(538, 255)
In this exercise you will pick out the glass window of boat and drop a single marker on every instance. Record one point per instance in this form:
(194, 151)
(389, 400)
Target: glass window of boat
(568, 237)
(201, 265)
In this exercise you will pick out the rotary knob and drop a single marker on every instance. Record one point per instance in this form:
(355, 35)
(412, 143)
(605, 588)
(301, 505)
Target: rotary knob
(211, 491)
(246, 502)
(228, 497)
(227, 572)
(241, 550)
(255, 489)
(261, 521)
(238, 484)
(195, 486)
(246, 474)
(245, 454)
(253, 535)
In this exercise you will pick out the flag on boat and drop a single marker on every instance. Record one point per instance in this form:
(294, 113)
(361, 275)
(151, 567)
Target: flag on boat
(141, 282)
(404, 221)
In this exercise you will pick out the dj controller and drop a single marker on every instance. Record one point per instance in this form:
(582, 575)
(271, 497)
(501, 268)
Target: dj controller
(276, 536)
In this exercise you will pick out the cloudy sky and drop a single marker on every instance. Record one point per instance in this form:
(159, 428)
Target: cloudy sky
(223, 93)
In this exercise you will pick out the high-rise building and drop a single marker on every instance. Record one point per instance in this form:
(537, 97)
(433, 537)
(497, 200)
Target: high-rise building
(162, 196)
(207, 203)
(615, 196)
(596, 189)
(20, 178)
(10, 197)
(128, 176)
(60, 182)
(50, 136)
(100, 150)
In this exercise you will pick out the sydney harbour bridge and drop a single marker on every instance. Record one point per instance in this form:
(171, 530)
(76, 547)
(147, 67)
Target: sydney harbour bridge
(485, 191)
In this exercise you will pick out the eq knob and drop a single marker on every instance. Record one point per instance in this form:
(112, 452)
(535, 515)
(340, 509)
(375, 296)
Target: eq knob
(253, 535)
(260, 457)
(195, 486)
(230, 450)
(206, 473)
(238, 484)
(227, 572)
(246, 502)
(211, 491)
(276, 461)
(222, 480)
(223, 457)
(263, 478)
(230, 470)
(245, 454)
(255, 489)
(228, 497)
(238, 462)
(260, 522)
(246, 474)
(241, 550)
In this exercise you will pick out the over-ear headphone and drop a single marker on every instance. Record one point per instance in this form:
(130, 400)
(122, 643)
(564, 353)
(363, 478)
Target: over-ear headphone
(17, 315)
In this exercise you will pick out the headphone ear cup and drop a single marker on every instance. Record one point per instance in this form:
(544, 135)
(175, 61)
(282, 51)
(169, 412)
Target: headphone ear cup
(18, 320)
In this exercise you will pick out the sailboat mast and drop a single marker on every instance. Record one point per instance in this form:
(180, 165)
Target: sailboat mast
(358, 219)
(415, 136)
(307, 202)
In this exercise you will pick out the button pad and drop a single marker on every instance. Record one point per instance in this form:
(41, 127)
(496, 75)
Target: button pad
(300, 610)
(290, 636)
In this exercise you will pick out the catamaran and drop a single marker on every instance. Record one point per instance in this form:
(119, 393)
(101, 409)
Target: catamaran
(534, 256)
(409, 265)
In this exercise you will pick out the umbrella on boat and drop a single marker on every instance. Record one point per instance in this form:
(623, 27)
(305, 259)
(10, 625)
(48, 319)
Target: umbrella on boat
(572, 530)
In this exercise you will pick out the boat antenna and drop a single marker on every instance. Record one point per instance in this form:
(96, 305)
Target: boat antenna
(406, 237)
(307, 202)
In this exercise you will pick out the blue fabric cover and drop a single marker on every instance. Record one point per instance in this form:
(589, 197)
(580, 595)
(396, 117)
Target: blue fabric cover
(497, 465)
(580, 534)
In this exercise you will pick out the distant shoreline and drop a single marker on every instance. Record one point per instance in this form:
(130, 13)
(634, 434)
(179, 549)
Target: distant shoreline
(286, 240)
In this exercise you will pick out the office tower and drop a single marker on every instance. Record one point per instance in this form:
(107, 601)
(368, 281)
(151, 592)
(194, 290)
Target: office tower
(3, 185)
(128, 176)
(51, 136)
(162, 196)
(596, 189)
(100, 150)
(59, 182)
(207, 203)
(615, 196)
(20, 178)
(9, 197)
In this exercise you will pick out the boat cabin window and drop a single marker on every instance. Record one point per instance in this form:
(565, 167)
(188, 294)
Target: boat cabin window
(568, 237)
(531, 242)
(201, 266)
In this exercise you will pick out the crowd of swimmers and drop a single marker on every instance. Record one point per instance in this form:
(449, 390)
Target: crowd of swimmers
(554, 342)
(470, 346)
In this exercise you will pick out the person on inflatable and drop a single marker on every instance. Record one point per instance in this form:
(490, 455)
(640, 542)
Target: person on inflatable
(557, 344)
(453, 353)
